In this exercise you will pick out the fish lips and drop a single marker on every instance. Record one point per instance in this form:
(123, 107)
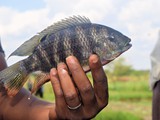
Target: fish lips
(127, 46)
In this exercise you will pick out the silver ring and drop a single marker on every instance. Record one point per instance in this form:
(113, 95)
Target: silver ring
(74, 108)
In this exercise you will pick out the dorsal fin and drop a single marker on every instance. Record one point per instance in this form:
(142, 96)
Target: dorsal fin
(68, 22)
(28, 47)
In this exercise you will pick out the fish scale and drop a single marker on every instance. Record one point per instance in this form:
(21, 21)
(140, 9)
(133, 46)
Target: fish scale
(75, 36)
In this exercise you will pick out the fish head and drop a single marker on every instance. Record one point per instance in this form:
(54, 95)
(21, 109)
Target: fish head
(110, 44)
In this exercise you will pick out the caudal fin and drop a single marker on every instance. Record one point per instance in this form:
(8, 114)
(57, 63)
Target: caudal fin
(13, 79)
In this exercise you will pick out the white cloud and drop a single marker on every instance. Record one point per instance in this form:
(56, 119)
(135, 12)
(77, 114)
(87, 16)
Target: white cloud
(14, 22)
(93, 9)
(140, 17)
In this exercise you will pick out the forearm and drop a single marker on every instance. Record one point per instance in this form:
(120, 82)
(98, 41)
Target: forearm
(20, 108)
(14, 108)
(156, 102)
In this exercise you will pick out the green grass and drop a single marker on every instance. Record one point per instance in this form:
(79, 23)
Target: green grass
(129, 95)
(133, 96)
(130, 90)
(116, 115)
(48, 94)
(129, 85)
(141, 109)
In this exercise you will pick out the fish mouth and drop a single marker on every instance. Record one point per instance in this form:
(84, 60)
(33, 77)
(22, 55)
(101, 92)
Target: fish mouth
(127, 46)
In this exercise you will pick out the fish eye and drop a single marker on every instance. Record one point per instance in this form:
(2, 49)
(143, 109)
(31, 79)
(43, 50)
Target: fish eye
(105, 44)
(109, 37)
(112, 36)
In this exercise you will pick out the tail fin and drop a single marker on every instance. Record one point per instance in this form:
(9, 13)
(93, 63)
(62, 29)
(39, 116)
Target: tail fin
(13, 78)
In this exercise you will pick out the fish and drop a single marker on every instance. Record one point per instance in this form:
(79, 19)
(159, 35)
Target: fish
(76, 36)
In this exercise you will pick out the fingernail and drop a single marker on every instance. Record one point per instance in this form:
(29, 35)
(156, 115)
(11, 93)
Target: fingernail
(70, 59)
(61, 64)
(53, 71)
(63, 71)
(62, 67)
(94, 59)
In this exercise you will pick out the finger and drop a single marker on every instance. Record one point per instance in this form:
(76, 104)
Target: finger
(99, 79)
(60, 102)
(69, 90)
(83, 84)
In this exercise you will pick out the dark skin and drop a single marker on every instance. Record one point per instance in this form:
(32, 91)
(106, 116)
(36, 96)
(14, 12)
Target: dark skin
(156, 102)
(93, 98)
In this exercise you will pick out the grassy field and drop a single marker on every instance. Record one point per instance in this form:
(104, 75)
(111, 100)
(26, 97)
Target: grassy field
(130, 98)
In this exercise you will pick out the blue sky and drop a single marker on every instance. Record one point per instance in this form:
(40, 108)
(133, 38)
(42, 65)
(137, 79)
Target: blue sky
(138, 19)
(22, 5)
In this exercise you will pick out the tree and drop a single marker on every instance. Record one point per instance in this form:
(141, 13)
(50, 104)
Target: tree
(119, 67)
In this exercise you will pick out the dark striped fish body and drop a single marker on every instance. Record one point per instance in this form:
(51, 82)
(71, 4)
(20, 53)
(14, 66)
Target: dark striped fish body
(75, 36)
(77, 41)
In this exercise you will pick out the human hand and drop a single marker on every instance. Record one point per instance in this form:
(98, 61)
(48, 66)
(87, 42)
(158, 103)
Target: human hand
(76, 98)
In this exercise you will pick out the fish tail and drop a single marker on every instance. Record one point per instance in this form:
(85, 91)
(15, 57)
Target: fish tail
(13, 78)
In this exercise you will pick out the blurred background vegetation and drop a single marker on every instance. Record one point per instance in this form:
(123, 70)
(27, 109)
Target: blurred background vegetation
(129, 93)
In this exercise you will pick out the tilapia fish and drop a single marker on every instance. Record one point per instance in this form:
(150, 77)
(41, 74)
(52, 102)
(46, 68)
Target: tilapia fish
(75, 36)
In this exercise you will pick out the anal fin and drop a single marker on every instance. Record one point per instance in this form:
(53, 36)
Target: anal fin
(38, 78)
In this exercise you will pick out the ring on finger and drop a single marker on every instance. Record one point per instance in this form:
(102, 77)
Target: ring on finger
(74, 108)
